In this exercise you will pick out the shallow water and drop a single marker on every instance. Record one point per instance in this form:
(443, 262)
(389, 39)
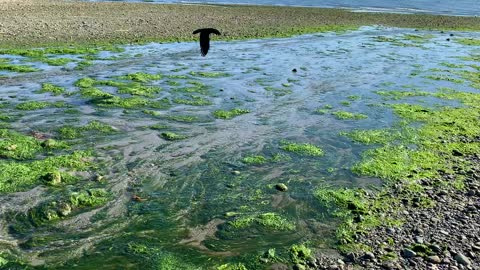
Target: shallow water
(461, 7)
(189, 185)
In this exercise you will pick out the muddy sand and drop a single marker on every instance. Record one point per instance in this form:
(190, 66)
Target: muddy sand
(50, 22)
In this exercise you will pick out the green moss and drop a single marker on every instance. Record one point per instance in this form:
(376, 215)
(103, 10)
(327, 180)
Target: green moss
(305, 149)
(345, 103)
(18, 146)
(353, 97)
(51, 88)
(89, 198)
(170, 136)
(18, 176)
(222, 114)
(158, 127)
(342, 115)
(254, 160)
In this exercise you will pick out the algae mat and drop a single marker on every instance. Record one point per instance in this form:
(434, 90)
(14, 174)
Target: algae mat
(153, 156)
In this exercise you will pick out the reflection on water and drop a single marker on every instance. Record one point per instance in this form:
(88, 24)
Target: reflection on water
(194, 188)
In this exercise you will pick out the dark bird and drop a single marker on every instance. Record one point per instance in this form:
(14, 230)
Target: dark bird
(205, 38)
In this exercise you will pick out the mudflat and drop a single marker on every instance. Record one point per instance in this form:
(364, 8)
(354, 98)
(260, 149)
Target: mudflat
(54, 22)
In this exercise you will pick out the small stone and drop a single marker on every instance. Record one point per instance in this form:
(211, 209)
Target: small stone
(299, 267)
(418, 231)
(434, 259)
(294, 70)
(99, 178)
(340, 262)
(436, 248)
(281, 187)
(235, 172)
(443, 232)
(475, 248)
(369, 256)
(462, 259)
(419, 240)
(390, 230)
(471, 192)
(408, 253)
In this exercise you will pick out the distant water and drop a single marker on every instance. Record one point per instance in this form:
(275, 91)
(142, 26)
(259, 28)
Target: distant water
(448, 7)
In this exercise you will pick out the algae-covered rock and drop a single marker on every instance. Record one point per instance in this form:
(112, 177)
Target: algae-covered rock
(281, 187)
(53, 178)
(64, 209)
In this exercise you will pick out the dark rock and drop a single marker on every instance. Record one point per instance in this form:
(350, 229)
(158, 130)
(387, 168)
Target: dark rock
(408, 253)
(368, 256)
(294, 70)
(462, 259)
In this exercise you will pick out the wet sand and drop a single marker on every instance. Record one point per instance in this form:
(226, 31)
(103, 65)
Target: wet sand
(54, 22)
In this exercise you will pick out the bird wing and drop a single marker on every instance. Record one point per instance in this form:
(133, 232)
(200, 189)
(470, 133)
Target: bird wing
(204, 42)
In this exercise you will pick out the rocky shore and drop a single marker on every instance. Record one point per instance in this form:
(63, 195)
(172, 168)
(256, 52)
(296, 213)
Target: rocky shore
(445, 236)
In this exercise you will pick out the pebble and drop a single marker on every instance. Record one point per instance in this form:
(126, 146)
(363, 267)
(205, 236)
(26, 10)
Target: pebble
(436, 248)
(408, 253)
(462, 259)
(235, 172)
(369, 256)
(476, 248)
(434, 259)
(419, 240)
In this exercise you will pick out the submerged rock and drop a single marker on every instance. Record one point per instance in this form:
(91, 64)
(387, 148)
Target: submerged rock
(462, 259)
(281, 187)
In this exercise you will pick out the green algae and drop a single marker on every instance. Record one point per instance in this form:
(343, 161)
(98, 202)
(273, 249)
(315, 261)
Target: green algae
(171, 136)
(343, 115)
(208, 74)
(304, 149)
(222, 114)
(299, 253)
(183, 118)
(15, 145)
(51, 88)
(37, 105)
(136, 89)
(444, 78)
(193, 101)
(18, 176)
(141, 77)
(271, 221)
(395, 94)
(72, 132)
(17, 68)
(254, 160)
(89, 198)
(232, 266)
(378, 136)
(468, 41)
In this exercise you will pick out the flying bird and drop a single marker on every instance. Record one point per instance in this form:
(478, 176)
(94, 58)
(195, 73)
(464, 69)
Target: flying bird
(205, 38)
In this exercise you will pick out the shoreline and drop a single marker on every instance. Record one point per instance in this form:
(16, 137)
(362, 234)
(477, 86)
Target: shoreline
(58, 23)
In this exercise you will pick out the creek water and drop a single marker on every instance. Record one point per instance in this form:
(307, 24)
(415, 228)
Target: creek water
(194, 187)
